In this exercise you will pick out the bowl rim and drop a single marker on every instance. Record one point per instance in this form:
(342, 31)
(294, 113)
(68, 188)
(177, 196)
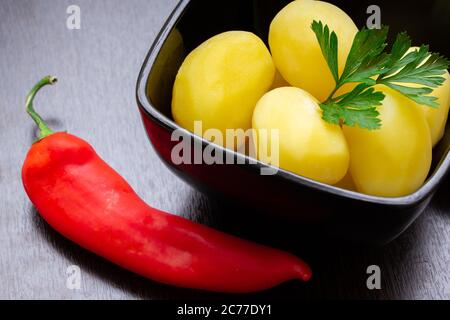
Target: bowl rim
(146, 105)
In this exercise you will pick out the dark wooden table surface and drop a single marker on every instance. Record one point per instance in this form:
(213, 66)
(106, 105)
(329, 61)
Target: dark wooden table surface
(97, 67)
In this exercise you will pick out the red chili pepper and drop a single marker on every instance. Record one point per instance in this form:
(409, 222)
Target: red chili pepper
(85, 200)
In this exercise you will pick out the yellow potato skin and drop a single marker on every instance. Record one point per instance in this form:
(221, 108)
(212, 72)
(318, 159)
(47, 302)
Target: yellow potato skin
(308, 146)
(394, 160)
(220, 82)
(296, 51)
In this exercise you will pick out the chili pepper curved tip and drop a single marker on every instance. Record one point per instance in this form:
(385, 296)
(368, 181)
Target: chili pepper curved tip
(303, 271)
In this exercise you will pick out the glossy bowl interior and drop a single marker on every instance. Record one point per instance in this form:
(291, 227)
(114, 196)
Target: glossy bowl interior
(285, 196)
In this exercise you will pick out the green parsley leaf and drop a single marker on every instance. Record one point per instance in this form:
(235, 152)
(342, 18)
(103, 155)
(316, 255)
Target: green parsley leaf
(329, 46)
(369, 64)
(366, 58)
(397, 58)
(418, 95)
(356, 108)
(418, 67)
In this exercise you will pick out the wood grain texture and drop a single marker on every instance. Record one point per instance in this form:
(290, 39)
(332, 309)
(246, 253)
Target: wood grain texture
(97, 67)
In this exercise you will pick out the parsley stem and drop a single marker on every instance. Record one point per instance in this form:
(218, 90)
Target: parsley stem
(330, 97)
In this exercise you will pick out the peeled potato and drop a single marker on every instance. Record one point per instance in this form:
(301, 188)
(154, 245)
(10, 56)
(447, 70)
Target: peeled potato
(394, 160)
(307, 145)
(296, 51)
(220, 82)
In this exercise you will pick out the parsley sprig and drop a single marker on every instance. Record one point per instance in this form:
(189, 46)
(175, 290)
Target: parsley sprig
(368, 64)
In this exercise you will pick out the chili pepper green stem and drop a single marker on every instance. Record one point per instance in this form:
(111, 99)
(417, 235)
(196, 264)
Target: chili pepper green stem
(44, 129)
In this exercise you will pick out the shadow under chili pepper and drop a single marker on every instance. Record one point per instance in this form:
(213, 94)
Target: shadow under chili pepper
(133, 284)
(338, 273)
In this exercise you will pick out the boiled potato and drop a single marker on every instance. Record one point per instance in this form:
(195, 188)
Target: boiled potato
(394, 160)
(220, 82)
(307, 145)
(296, 51)
(437, 118)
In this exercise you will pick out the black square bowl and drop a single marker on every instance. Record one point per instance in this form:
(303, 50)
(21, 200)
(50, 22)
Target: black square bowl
(301, 202)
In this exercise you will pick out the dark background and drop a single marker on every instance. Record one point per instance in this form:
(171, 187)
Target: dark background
(97, 67)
